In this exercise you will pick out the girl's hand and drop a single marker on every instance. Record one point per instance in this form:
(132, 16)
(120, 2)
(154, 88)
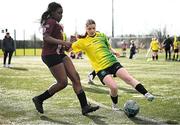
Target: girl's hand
(67, 44)
(117, 54)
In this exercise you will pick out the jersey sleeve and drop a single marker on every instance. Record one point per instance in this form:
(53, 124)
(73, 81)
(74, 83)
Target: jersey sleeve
(77, 46)
(106, 40)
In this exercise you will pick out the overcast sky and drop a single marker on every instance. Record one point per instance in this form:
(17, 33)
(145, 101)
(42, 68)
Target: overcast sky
(130, 16)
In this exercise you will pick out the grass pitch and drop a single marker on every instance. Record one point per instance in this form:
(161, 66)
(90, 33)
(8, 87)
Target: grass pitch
(29, 77)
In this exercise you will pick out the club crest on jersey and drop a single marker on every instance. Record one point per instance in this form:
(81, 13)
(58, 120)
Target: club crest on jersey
(103, 73)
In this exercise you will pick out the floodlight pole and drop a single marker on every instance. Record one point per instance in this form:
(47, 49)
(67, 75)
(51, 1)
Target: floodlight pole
(112, 18)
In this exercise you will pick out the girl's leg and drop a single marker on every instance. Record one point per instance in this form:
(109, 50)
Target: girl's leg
(153, 56)
(10, 56)
(166, 54)
(127, 78)
(74, 77)
(169, 54)
(156, 55)
(72, 74)
(91, 76)
(93, 73)
(5, 57)
(59, 72)
(110, 83)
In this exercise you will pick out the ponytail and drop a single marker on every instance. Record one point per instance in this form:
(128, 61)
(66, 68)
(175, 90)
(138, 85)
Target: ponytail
(44, 17)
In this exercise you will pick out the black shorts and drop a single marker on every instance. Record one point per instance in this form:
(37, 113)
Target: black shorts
(51, 60)
(155, 50)
(110, 70)
(176, 50)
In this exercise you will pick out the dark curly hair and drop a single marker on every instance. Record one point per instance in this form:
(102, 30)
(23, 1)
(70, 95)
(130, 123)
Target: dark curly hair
(53, 6)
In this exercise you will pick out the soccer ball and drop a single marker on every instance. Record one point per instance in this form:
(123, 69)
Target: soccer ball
(131, 108)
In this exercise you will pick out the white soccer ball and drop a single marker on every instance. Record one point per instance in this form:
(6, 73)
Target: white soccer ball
(131, 108)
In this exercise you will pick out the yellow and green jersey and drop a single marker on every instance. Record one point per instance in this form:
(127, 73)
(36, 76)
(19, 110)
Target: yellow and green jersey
(154, 45)
(97, 50)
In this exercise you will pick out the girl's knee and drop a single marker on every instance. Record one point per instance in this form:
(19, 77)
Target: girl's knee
(75, 78)
(114, 87)
(61, 85)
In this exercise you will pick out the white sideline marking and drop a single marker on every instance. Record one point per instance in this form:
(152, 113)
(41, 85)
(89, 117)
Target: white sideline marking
(97, 103)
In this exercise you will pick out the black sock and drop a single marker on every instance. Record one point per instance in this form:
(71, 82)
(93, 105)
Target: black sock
(156, 57)
(140, 88)
(114, 99)
(82, 98)
(44, 96)
(94, 74)
(153, 57)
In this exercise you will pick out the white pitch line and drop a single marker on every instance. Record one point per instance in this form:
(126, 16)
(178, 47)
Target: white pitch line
(97, 103)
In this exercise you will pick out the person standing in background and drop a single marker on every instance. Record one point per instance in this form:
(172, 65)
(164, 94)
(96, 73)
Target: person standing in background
(132, 49)
(168, 44)
(176, 44)
(8, 48)
(154, 46)
(123, 47)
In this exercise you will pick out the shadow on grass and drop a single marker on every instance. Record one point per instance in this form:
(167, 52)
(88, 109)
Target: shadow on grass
(18, 68)
(97, 119)
(143, 120)
(102, 91)
(94, 88)
(129, 90)
(45, 118)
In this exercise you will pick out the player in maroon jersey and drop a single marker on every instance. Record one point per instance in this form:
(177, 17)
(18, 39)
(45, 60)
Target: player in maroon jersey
(59, 64)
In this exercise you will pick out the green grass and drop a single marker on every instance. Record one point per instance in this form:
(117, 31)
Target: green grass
(29, 77)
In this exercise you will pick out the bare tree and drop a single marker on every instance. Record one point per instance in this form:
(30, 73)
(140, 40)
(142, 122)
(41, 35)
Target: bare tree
(160, 34)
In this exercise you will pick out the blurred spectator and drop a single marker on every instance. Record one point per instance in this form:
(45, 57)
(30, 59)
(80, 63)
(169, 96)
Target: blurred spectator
(123, 47)
(168, 44)
(176, 48)
(132, 49)
(154, 46)
(8, 48)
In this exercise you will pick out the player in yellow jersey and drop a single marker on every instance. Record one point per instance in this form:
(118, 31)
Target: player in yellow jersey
(105, 64)
(154, 46)
(176, 45)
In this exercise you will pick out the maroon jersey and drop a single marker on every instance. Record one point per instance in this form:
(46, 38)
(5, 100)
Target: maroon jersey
(53, 29)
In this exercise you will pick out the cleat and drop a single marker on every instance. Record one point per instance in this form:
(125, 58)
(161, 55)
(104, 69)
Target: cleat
(90, 79)
(38, 104)
(149, 96)
(115, 107)
(9, 66)
(88, 108)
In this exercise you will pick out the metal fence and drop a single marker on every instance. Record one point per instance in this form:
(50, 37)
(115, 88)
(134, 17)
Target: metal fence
(25, 45)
